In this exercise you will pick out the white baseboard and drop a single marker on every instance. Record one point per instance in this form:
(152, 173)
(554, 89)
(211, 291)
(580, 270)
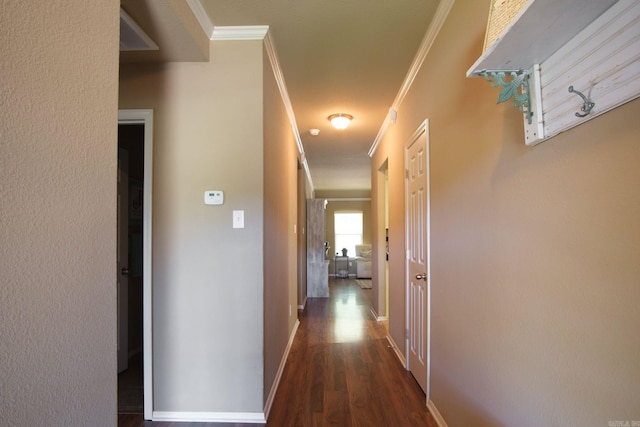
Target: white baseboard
(436, 414)
(397, 351)
(283, 361)
(375, 315)
(232, 417)
(210, 417)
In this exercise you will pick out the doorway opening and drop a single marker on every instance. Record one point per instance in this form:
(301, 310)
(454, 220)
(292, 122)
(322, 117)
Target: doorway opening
(383, 242)
(135, 150)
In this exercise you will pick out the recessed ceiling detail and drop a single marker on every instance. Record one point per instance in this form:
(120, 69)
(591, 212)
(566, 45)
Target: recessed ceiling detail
(132, 37)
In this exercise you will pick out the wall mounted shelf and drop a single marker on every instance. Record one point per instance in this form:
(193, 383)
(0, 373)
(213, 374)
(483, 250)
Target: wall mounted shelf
(537, 32)
(592, 46)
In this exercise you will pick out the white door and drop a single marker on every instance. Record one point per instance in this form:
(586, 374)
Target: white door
(123, 260)
(417, 164)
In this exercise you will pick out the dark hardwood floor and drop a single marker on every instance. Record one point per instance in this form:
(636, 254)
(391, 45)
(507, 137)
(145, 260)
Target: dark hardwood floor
(341, 371)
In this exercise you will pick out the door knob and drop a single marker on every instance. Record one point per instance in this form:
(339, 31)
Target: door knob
(124, 271)
(421, 276)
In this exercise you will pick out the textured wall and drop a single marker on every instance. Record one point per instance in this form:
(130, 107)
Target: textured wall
(208, 282)
(58, 142)
(534, 251)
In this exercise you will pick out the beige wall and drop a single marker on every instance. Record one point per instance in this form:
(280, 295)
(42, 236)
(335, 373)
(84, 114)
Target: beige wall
(58, 160)
(224, 295)
(207, 276)
(280, 219)
(390, 156)
(534, 251)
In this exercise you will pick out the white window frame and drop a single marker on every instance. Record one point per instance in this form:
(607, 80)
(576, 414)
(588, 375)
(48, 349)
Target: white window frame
(351, 251)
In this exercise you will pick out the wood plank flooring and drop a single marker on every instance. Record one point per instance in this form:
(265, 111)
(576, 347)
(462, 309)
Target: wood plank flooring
(341, 371)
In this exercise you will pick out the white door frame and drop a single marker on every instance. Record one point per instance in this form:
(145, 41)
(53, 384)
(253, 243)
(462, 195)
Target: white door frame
(145, 117)
(382, 294)
(422, 129)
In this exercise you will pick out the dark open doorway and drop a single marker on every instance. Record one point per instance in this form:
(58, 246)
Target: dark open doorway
(131, 380)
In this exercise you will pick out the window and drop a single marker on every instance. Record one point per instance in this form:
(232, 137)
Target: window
(348, 231)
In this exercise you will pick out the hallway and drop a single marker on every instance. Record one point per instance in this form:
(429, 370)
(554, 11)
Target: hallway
(341, 371)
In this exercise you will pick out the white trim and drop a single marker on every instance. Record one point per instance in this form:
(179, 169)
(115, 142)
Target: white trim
(126, 20)
(146, 117)
(348, 199)
(257, 32)
(213, 32)
(396, 349)
(432, 32)
(247, 32)
(442, 12)
(282, 86)
(277, 72)
(231, 32)
(210, 417)
(534, 132)
(375, 315)
(202, 17)
(381, 132)
(436, 414)
(283, 362)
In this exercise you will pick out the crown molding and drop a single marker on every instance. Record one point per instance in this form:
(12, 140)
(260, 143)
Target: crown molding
(249, 32)
(277, 72)
(257, 32)
(432, 32)
(213, 32)
(272, 54)
(202, 17)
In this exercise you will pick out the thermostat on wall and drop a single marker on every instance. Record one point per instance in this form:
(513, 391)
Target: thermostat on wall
(213, 197)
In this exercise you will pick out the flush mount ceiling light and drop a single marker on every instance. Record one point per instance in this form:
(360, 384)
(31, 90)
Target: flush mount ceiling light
(340, 121)
(314, 132)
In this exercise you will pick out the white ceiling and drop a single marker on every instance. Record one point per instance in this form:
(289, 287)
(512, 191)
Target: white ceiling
(336, 56)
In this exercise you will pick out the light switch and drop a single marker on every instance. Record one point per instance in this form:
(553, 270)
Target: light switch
(238, 219)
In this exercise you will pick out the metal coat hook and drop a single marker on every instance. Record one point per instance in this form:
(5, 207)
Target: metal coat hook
(587, 105)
